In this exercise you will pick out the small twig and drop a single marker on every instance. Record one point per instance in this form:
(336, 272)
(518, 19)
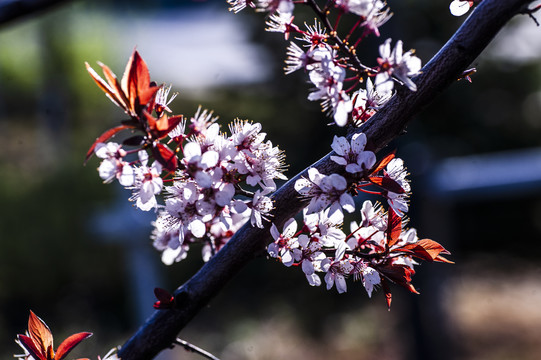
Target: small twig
(530, 13)
(192, 348)
(322, 15)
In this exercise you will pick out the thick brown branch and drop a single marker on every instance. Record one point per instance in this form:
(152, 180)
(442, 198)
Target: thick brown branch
(160, 330)
(13, 9)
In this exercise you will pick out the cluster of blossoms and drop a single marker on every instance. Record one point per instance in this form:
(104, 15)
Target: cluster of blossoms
(331, 62)
(203, 184)
(379, 248)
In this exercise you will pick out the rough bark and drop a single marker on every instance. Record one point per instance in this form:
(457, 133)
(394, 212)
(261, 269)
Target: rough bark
(440, 72)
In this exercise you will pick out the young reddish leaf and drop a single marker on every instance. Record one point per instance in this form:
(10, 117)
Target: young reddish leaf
(394, 227)
(127, 82)
(147, 96)
(68, 344)
(387, 183)
(427, 249)
(136, 82)
(387, 291)
(104, 137)
(39, 333)
(379, 166)
(134, 91)
(159, 128)
(31, 347)
(165, 299)
(165, 156)
(399, 274)
(109, 91)
(115, 85)
(166, 124)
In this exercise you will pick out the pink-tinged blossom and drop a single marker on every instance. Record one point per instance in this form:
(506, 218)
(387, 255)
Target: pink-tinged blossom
(396, 171)
(261, 207)
(283, 6)
(359, 7)
(296, 58)
(315, 36)
(167, 241)
(398, 64)
(260, 161)
(407, 237)
(246, 135)
(371, 230)
(310, 60)
(376, 97)
(328, 78)
(201, 121)
(113, 167)
(182, 209)
(178, 133)
(336, 272)
(373, 215)
(460, 7)
(220, 234)
(239, 5)
(326, 229)
(372, 12)
(285, 245)
(325, 191)
(282, 23)
(352, 155)
(375, 19)
(197, 161)
(309, 255)
(148, 183)
(370, 278)
(367, 101)
(162, 103)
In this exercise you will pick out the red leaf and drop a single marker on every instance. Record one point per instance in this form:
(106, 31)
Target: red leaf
(31, 347)
(387, 291)
(109, 91)
(427, 249)
(104, 137)
(165, 156)
(379, 166)
(165, 299)
(39, 333)
(136, 82)
(68, 344)
(394, 227)
(387, 183)
(159, 128)
(115, 85)
(399, 274)
(147, 96)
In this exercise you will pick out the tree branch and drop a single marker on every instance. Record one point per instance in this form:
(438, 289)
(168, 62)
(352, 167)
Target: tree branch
(13, 9)
(161, 329)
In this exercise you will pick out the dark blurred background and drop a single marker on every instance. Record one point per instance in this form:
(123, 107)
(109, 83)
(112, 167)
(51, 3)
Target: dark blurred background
(75, 252)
